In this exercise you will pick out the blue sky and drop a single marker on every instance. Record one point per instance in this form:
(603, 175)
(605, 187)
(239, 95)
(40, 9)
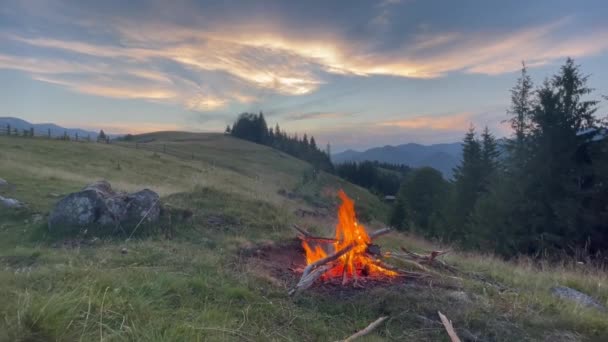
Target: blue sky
(353, 73)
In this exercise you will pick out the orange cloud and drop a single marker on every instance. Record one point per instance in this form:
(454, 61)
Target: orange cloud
(450, 122)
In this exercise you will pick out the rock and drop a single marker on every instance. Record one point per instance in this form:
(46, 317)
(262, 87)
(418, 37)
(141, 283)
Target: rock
(11, 203)
(124, 250)
(103, 211)
(459, 296)
(578, 297)
(3, 183)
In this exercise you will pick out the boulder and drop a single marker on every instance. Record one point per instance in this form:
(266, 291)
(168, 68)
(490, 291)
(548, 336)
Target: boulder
(566, 293)
(10, 203)
(103, 211)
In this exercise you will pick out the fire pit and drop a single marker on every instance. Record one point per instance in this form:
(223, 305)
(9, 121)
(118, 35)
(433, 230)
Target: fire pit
(350, 256)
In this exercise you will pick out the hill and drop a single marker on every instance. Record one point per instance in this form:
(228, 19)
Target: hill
(443, 157)
(43, 128)
(208, 279)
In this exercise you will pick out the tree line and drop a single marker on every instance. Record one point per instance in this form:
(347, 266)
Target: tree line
(380, 178)
(541, 191)
(253, 127)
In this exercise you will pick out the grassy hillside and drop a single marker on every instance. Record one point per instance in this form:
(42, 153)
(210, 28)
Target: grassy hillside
(199, 282)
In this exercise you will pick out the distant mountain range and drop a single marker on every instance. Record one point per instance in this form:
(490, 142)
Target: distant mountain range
(43, 128)
(443, 157)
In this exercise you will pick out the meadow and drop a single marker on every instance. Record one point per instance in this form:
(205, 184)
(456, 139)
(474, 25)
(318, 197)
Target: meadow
(198, 283)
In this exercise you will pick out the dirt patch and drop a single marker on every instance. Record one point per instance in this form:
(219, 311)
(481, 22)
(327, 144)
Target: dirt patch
(282, 263)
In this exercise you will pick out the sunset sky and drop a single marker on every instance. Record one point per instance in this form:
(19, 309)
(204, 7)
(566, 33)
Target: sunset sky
(354, 73)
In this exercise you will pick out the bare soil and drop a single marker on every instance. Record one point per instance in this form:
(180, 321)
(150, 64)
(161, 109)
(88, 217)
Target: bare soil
(283, 263)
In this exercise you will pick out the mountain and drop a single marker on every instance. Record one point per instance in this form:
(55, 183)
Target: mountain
(443, 157)
(43, 128)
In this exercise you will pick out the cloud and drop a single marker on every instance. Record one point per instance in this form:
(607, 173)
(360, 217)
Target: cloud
(317, 115)
(210, 64)
(458, 121)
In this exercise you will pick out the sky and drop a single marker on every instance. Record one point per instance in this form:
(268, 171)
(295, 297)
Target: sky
(356, 74)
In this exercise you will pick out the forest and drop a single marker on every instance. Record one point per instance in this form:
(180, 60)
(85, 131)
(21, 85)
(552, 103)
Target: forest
(254, 128)
(543, 191)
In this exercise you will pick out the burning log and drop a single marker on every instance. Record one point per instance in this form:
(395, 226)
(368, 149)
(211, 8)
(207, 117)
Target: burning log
(330, 258)
(315, 270)
(307, 281)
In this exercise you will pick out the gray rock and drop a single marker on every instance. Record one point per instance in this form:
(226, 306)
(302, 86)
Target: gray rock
(459, 296)
(11, 203)
(3, 183)
(101, 210)
(578, 297)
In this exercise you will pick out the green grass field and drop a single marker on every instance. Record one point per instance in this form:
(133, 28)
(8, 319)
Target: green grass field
(199, 286)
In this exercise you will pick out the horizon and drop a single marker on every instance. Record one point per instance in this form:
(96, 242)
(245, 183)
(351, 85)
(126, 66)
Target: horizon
(379, 73)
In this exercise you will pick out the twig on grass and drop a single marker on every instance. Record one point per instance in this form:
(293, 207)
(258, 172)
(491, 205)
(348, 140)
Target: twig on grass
(447, 324)
(142, 220)
(367, 329)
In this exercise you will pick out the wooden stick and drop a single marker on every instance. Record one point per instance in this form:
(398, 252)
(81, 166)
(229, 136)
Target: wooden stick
(448, 327)
(307, 236)
(379, 233)
(307, 281)
(402, 273)
(367, 330)
(429, 258)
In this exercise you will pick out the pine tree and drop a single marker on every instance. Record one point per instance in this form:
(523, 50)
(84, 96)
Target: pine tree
(313, 143)
(468, 184)
(489, 156)
(521, 107)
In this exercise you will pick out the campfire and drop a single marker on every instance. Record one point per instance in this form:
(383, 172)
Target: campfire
(349, 256)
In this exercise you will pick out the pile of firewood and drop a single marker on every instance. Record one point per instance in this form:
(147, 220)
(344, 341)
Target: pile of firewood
(317, 269)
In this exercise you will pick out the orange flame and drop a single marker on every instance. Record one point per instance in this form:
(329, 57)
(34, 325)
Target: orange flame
(356, 262)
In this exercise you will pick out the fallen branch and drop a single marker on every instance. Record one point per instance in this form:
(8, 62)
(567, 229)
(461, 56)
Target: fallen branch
(448, 327)
(307, 236)
(430, 259)
(426, 258)
(401, 272)
(367, 330)
(379, 233)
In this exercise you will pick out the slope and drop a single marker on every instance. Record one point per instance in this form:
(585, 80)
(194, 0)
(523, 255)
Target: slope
(196, 283)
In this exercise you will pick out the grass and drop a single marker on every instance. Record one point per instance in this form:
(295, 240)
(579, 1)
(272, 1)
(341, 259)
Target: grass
(197, 286)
